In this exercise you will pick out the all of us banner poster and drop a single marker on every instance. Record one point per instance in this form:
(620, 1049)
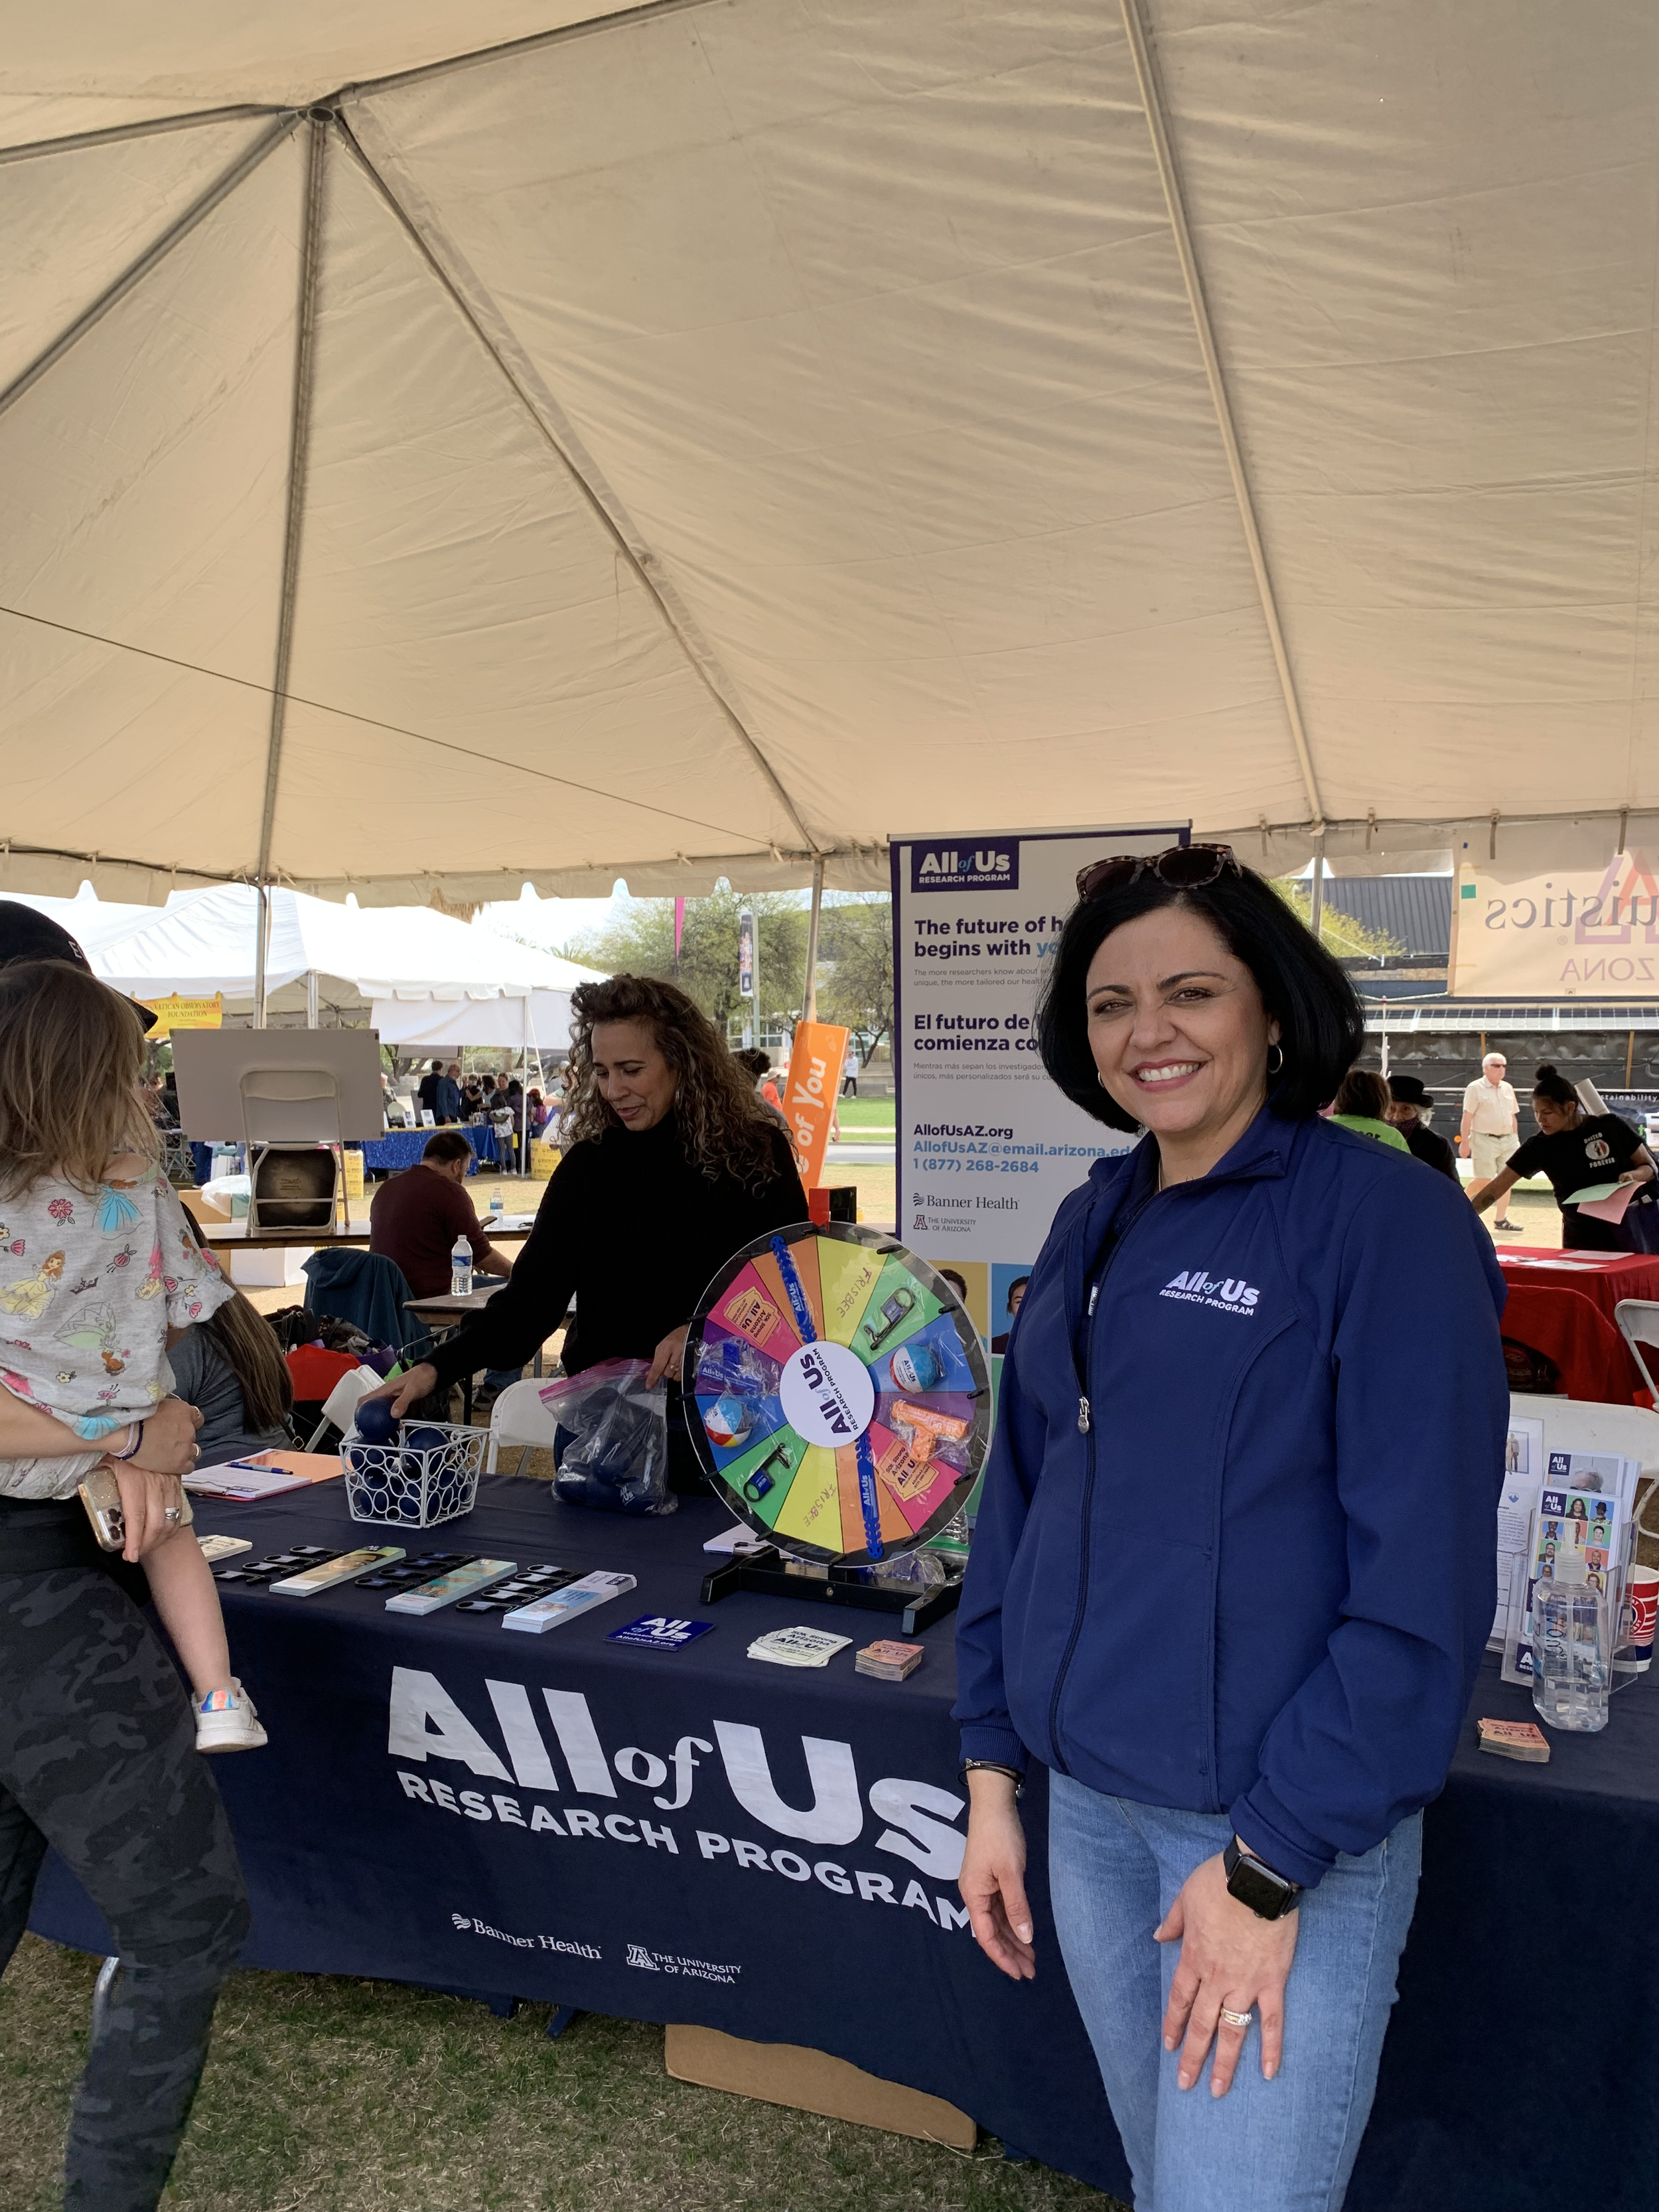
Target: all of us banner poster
(987, 1147)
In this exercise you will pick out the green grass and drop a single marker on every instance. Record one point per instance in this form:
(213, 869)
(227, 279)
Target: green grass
(326, 2095)
(865, 1113)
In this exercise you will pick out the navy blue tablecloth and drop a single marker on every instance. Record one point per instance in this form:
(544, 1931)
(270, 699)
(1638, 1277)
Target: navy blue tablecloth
(697, 1837)
(402, 1148)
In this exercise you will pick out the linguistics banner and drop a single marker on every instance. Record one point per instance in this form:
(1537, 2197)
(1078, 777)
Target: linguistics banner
(987, 1146)
(1575, 933)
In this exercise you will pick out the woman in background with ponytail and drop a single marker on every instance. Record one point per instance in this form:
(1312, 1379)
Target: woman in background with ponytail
(1577, 1152)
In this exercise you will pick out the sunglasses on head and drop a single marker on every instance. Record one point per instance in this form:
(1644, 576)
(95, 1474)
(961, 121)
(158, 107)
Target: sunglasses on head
(1182, 867)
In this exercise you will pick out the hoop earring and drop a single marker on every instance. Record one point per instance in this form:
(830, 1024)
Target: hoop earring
(1100, 1079)
(1272, 1050)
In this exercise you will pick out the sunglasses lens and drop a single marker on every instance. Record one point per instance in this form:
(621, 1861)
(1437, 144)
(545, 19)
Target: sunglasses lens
(1107, 875)
(1189, 867)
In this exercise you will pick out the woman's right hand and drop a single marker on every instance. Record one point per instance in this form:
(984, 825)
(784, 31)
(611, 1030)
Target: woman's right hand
(993, 1877)
(404, 1390)
(168, 1444)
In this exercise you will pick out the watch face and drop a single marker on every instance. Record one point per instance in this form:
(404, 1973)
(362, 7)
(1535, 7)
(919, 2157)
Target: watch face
(1264, 1896)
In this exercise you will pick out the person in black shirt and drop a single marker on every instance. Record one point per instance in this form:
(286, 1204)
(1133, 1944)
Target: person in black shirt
(1410, 1101)
(671, 1165)
(1577, 1151)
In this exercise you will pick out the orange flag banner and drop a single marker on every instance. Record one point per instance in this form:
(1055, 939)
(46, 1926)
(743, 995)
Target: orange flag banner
(809, 1101)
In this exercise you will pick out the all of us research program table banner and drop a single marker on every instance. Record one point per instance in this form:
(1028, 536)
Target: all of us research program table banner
(987, 1147)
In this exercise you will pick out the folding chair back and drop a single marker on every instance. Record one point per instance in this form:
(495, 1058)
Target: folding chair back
(1638, 1324)
(519, 1417)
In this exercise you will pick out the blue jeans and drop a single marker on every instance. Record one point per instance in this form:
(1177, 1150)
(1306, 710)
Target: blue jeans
(1287, 2145)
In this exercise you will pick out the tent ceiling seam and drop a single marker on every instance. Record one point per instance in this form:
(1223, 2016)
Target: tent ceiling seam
(1153, 105)
(33, 149)
(495, 335)
(298, 454)
(480, 57)
(135, 271)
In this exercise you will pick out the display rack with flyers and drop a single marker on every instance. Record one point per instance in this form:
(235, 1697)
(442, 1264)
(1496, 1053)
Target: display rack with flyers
(1579, 1499)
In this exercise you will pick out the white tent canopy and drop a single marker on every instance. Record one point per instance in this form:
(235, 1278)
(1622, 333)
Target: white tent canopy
(736, 431)
(414, 966)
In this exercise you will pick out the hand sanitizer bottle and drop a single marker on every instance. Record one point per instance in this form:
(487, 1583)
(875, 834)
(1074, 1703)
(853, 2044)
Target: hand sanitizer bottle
(1571, 1647)
(460, 1268)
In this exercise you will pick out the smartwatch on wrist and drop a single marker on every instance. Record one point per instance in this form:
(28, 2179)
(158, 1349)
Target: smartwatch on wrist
(1267, 1895)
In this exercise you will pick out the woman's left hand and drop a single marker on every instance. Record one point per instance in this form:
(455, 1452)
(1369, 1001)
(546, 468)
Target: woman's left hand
(1228, 1958)
(667, 1356)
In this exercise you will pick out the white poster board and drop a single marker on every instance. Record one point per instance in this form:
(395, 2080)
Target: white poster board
(987, 1146)
(211, 1066)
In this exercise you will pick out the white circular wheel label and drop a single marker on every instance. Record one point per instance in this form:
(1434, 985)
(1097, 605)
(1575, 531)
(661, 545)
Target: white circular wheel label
(827, 1395)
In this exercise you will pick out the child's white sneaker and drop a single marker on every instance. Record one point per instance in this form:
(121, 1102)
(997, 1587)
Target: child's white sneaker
(226, 1721)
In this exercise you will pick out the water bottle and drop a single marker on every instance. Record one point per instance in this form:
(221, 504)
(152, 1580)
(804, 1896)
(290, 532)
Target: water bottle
(497, 1207)
(1569, 1647)
(460, 1268)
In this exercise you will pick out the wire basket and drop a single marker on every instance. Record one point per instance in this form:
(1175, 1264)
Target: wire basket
(410, 1486)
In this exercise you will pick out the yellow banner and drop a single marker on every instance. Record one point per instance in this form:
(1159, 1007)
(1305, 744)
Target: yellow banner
(177, 1013)
(809, 1101)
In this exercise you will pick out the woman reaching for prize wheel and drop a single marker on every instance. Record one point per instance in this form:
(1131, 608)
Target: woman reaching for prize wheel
(671, 1163)
(1243, 1701)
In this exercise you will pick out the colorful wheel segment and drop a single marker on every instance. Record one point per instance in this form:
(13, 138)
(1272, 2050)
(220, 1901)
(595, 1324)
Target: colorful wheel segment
(843, 1400)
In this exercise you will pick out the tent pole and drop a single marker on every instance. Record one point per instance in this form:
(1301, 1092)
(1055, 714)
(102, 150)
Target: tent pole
(1152, 100)
(262, 933)
(809, 997)
(298, 448)
(311, 997)
(1317, 900)
(135, 271)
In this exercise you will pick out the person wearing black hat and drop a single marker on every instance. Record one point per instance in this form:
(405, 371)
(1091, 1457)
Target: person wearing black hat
(25, 934)
(1410, 1102)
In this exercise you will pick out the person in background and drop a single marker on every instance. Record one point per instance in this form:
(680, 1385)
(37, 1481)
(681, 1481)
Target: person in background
(1409, 1109)
(757, 1066)
(1362, 1105)
(1577, 1151)
(1242, 1712)
(537, 1109)
(850, 1071)
(448, 1094)
(230, 1367)
(1491, 1123)
(426, 1091)
(1017, 1291)
(670, 1165)
(415, 1217)
(471, 1098)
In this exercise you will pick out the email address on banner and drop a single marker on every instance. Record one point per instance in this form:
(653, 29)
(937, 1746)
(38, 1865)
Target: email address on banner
(955, 1148)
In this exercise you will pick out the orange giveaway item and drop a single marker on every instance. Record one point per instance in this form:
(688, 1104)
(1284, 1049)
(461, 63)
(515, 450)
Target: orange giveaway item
(816, 1058)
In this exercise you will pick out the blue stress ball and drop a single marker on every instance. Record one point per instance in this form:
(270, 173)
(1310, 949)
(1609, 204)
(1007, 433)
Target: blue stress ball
(424, 1440)
(376, 1423)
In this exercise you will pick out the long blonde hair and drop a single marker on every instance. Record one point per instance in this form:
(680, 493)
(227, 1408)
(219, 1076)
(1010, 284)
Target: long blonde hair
(71, 1077)
(724, 1127)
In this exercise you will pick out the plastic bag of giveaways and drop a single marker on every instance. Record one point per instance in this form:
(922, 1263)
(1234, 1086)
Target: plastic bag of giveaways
(612, 1448)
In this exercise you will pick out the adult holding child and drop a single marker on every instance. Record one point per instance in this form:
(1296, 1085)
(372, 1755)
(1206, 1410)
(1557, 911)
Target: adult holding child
(671, 1163)
(1245, 1699)
(98, 1740)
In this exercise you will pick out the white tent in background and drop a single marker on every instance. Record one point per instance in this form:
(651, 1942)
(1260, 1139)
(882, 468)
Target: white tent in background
(715, 438)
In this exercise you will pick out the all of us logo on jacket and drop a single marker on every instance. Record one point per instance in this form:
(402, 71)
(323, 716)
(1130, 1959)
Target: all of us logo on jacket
(1227, 1294)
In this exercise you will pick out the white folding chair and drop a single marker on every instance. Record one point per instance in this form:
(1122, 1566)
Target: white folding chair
(340, 1407)
(519, 1417)
(1586, 1425)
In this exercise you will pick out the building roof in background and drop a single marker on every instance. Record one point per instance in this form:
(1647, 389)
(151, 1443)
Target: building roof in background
(1415, 909)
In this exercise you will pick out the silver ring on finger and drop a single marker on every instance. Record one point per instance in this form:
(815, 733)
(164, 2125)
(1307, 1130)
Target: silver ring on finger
(1236, 2019)
(169, 1513)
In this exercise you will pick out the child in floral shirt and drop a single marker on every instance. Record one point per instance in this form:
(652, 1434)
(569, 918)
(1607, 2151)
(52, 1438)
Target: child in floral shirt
(97, 1265)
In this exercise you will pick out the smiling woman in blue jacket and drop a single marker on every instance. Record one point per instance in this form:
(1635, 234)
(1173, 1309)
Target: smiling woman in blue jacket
(1245, 1700)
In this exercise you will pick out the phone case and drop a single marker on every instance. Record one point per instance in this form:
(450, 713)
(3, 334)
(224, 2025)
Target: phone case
(100, 1494)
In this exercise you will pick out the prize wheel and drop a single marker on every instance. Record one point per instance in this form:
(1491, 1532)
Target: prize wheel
(844, 1403)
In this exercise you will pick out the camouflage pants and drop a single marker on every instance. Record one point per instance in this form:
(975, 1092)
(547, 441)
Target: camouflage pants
(98, 1758)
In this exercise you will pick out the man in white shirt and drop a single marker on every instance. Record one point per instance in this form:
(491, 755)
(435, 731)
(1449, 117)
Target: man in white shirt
(1491, 1123)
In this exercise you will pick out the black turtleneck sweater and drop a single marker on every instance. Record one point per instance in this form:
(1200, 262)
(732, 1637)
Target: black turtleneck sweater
(635, 1232)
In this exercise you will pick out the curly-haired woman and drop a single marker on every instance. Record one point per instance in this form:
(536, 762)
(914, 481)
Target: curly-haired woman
(671, 1163)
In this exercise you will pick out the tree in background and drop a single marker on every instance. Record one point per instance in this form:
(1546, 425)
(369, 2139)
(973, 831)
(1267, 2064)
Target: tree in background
(855, 971)
(1340, 934)
(639, 941)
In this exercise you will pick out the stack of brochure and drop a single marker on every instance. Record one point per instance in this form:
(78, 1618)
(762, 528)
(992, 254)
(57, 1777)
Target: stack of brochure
(1549, 1501)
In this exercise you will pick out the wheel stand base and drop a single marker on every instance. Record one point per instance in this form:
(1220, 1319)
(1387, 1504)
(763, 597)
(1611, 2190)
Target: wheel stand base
(764, 1570)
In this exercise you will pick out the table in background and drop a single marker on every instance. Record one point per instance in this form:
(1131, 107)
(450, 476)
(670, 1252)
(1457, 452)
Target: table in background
(1532, 1963)
(405, 1148)
(1603, 1277)
(446, 1306)
(236, 1234)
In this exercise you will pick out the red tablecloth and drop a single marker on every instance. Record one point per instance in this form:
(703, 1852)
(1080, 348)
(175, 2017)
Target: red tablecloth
(1603, 1277)
(1593, 1357)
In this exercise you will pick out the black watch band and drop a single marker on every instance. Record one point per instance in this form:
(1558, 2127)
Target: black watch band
(1267, 1895)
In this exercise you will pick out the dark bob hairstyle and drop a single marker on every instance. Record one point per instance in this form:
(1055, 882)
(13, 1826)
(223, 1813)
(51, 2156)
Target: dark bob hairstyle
(1321, 1028)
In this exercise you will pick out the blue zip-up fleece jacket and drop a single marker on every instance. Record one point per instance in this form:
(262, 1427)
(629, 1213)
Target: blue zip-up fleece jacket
(1245, 1562)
